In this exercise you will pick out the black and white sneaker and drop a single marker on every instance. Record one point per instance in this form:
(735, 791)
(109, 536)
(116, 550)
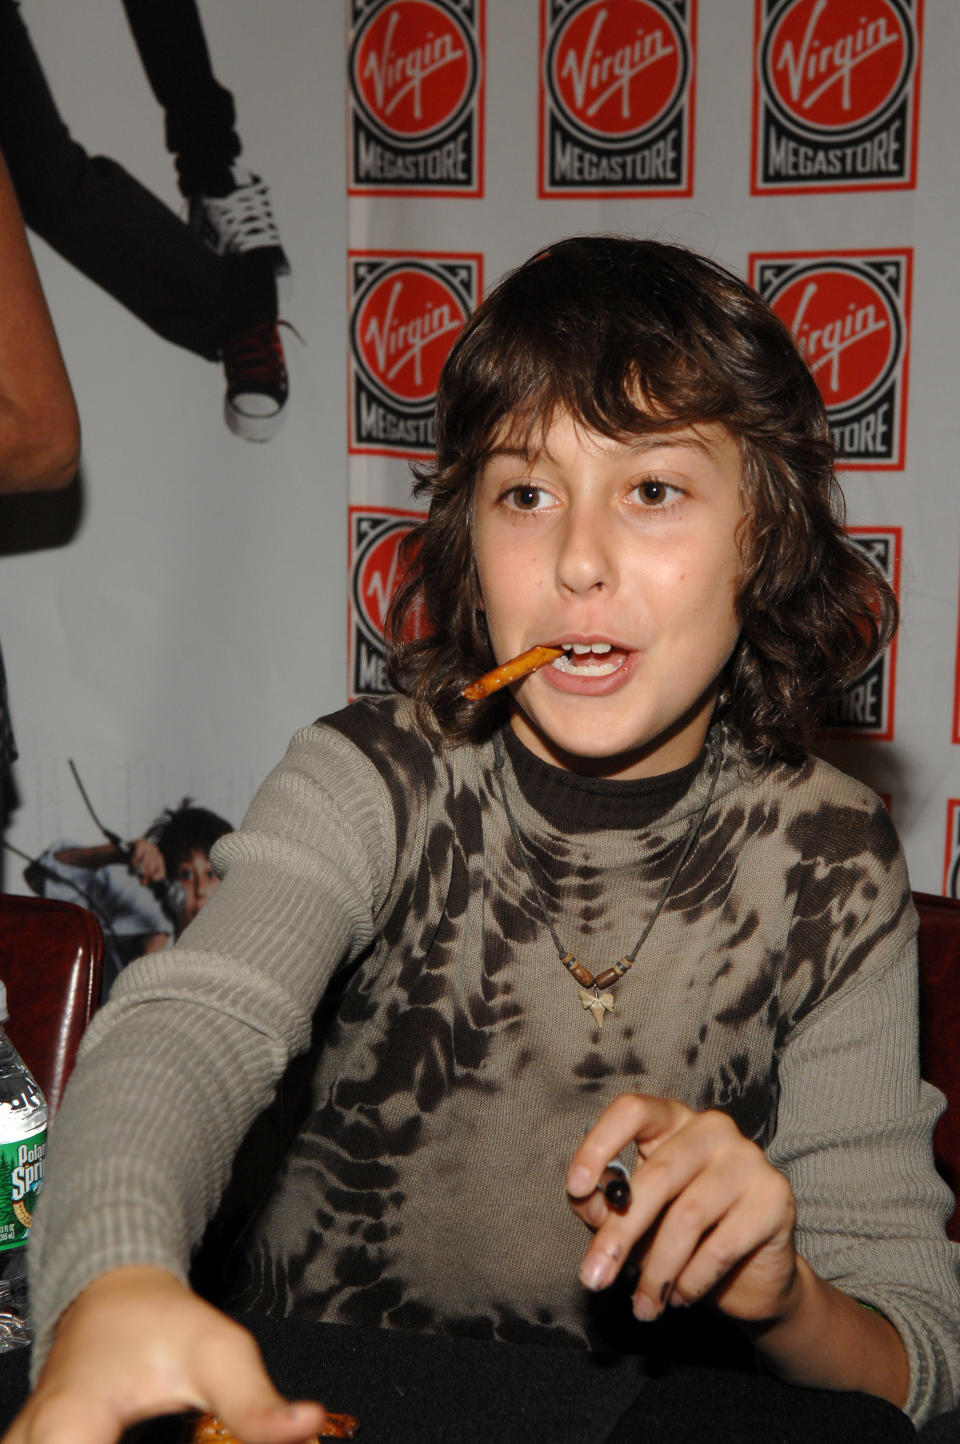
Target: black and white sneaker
(257, 386)
(240, 221)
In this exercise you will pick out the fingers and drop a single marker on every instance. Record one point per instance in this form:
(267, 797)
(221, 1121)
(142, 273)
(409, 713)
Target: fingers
(146, 861)
(283, 1424)
(752, 1234)
(726, 1217)
(708, 1213)
(136, 1344)
(678, 1173)
(631, 1118)
(71, 1416)
(236, 1387)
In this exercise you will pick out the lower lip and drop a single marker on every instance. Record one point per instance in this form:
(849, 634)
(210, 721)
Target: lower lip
(590, 686)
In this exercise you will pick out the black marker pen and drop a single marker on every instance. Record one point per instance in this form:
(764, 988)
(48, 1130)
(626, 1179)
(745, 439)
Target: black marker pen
(615, 1186)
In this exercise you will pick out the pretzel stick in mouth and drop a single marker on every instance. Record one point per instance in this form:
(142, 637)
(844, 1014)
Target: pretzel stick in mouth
(511, 671)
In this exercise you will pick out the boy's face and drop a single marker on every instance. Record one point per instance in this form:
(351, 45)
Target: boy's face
(632, 546)
(196, 876)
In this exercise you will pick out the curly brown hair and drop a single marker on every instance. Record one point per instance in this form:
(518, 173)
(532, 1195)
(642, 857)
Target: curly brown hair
(625, 335)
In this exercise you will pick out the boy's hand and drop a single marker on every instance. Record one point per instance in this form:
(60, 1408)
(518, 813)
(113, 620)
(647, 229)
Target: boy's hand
(709, 1214)
(146, 861)
(136, 1344)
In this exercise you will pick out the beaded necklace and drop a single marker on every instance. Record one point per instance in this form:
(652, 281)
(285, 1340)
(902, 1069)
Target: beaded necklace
(596, 1002)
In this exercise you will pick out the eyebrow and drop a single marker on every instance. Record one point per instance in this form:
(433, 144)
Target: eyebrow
(638, 447)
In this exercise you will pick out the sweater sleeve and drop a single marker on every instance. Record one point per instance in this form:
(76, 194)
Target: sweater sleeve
(189, 1049)
(854, 1138)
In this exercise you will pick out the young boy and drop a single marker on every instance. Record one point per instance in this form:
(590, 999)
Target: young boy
(143, 893)
(614, 908)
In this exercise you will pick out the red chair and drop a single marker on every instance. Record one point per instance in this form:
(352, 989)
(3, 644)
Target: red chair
(51, 962)
(939, 948)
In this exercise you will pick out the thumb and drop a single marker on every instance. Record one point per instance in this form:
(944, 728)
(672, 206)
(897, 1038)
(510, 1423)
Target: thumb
(280, 1423)
(241, 1393)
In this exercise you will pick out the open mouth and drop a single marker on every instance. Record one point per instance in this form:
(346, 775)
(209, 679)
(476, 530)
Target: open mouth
(589, 659)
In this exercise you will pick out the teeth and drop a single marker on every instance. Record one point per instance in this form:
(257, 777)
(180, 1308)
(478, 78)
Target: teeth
(580, 649)
(591, 669)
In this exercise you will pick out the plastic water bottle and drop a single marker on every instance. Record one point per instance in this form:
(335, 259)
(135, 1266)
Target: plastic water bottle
(23, 1142)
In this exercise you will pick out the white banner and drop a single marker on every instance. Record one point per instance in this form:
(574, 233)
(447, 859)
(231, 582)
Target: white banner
(805, 144)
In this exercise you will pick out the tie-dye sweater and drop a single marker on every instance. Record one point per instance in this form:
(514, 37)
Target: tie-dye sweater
(453, 1069)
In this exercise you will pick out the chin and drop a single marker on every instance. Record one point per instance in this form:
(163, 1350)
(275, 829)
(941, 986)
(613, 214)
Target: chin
(595, 742)
(591, 754)
(640, 746)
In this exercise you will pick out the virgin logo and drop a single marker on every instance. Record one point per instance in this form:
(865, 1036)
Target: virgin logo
(380, 570)
(845, 328)
(412, 67)
(833, 65)
(404, 329)
(616, 67)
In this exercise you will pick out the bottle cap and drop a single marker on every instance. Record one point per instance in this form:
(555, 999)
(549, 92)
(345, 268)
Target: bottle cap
(4, 1015)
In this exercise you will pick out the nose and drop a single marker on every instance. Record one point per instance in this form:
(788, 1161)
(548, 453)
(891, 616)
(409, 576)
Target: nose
(586, 558)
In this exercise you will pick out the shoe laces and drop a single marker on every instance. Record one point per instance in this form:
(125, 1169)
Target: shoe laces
(253, 359)
(244, 218)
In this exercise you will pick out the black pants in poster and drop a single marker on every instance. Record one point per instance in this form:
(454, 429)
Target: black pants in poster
(100, 218)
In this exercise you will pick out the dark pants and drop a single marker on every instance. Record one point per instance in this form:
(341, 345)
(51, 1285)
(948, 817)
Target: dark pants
(104, 222)
(414, 1389)
(200, 115)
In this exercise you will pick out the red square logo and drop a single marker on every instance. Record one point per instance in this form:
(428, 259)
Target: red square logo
(616, 96)
(836, 95)
(865, 708)
(375, 571)
(415, 97)
(406, 309)
(849, 313)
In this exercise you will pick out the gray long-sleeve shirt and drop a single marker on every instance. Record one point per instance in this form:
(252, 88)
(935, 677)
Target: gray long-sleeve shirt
(459, 1069)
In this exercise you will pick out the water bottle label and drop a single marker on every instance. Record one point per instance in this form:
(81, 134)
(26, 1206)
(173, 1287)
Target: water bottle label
(21, 1174)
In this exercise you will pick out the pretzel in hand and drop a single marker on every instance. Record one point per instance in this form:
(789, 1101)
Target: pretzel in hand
(208, 1429)
(511, 671)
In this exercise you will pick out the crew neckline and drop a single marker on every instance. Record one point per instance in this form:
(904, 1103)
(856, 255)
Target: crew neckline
(587, 804)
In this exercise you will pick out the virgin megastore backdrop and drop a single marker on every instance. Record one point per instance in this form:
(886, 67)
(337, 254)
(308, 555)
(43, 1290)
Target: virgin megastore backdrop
(170, 620)
(809, 146)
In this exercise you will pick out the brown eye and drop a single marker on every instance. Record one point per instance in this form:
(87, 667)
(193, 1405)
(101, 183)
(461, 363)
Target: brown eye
(655, 493)
(526, 497)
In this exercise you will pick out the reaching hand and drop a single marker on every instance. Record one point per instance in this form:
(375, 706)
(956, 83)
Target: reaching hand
(137, 1343)
(146, 861)
(709, 1215)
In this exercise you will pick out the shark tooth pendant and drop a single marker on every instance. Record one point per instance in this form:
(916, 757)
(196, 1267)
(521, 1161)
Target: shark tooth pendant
(599, 1004)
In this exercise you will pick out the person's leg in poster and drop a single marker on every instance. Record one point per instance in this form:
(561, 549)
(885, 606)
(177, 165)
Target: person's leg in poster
(228, 204)
(118, 234)
(229, 207)
(96, 215)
